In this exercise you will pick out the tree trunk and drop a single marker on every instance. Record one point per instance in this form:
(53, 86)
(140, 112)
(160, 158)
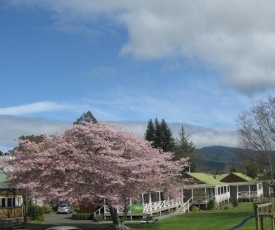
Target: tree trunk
(125, 212)
(25, 207)
(117, 223)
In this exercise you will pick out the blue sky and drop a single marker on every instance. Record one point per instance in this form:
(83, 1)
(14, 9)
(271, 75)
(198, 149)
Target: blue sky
(193, 63)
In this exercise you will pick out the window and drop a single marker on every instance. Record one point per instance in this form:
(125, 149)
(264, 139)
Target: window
(9, 202)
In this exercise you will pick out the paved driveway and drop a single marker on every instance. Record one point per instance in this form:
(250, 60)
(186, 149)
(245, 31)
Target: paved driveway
(63, 219)
(54, 219)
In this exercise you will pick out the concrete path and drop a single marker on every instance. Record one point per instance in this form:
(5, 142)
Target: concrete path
(169, 215)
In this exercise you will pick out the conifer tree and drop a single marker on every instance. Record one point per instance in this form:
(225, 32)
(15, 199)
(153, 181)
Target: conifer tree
(158, 142)
(86, 117)
(168, 142)
(150, 131)
(160, 134)
(185, 148)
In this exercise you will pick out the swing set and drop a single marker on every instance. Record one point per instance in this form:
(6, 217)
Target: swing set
(264, 213)
(264, 210)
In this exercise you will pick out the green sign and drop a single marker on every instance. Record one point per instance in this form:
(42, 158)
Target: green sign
(136, 208)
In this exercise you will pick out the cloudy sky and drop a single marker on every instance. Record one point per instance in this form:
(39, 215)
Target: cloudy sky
(196, 63)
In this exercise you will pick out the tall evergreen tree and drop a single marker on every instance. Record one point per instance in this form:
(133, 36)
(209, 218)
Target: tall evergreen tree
(160, 134)
(168, 142)
(86, 117)
(185, 148)
(150, 131)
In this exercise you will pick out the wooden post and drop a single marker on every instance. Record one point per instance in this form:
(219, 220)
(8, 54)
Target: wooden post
(255, 206)
(273, 213)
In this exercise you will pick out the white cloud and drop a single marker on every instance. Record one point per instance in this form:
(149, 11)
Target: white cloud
(14, 127)
(236, 38)
(37, 107)
(199, 135)
(189, 101)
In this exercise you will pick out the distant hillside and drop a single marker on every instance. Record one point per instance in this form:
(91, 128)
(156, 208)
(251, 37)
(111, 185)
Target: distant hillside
(217, 157)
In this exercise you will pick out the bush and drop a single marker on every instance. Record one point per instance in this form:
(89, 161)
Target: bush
(82, 216)
(36, 212)
(225, 207)
(195, 208)
(211, 205)
(47, 209)
(98, 218)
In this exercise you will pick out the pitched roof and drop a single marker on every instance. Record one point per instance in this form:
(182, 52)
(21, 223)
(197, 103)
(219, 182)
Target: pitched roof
(237, 177)
(221, 176)
(245, 177)
(205, 179)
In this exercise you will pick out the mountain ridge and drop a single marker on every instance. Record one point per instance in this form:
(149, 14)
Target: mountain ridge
(218, 157)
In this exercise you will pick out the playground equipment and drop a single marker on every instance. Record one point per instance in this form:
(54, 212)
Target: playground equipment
(264, 213)
(264, 209)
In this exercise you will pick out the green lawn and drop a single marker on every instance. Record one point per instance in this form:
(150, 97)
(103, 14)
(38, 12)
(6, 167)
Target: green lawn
(200, 220)
(207, 220)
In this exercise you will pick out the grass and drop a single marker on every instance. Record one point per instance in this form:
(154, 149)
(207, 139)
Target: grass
(200, 220)
(206, 220)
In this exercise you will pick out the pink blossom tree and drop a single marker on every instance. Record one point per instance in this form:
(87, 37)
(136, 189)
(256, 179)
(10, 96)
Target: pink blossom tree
(92, 163)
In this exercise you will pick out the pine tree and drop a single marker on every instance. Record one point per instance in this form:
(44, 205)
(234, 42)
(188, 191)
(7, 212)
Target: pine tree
(168, 142)
(184, 148)
(150, 131)
(160, 135)
(86, 117)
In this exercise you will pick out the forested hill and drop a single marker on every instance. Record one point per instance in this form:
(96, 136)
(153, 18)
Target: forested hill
(218, 157)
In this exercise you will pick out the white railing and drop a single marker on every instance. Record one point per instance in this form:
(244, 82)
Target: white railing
(119, 208)
(162, 205)
(105, 209)
(248, 194)
(201, 199)
(205, 199)
(186, 206)
(222, 197)
(147, 208)
(100, 211)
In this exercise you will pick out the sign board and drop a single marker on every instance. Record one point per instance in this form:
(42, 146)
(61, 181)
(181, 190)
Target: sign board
(136, 208)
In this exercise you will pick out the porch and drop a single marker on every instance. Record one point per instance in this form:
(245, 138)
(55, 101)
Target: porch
(246, 191)
(202, 195)
(158, 207)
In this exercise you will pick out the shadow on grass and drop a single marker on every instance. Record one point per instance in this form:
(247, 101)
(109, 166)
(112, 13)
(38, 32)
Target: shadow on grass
(41, 226)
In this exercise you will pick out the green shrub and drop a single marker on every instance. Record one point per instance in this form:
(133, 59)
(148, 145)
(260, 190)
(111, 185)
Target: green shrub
(195, 208)
(82, 216)
(225, 207)
(47, 208)
(40, 218)
(36, 212)
(98, 218)
(211, 205)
